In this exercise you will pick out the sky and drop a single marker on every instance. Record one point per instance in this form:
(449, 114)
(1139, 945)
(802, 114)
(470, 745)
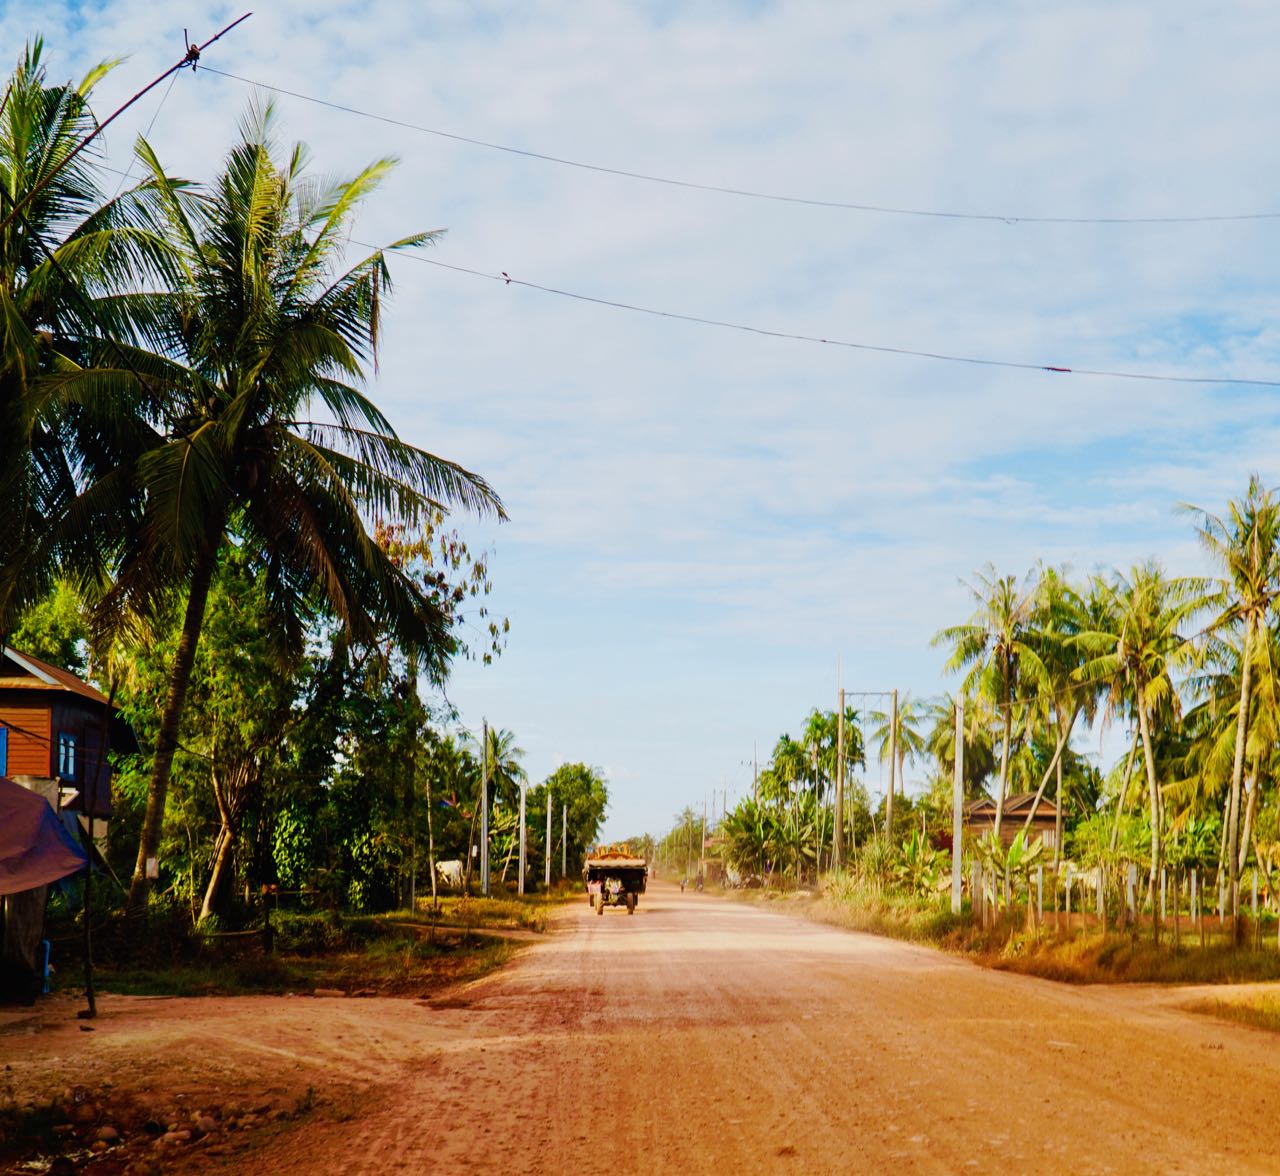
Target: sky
(709, 529)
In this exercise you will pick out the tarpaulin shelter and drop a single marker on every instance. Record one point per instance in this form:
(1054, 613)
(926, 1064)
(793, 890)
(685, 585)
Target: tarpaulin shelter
(35, 849)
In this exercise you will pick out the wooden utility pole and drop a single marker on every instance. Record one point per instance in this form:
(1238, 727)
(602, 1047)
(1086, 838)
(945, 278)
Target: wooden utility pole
(547, 880)
(837, 841)
(957, 810)
(484, 807)
(893, 765)
(524, 845)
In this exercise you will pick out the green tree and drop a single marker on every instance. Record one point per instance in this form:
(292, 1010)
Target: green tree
(264, 324)
(908, 739)
(1136, 659)
(65, 261)
(586, 793)
(1246, 545)
(997, 647)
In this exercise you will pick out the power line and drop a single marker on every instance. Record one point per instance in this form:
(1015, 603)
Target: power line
(749, 193)
(882, 349)
(190, 58)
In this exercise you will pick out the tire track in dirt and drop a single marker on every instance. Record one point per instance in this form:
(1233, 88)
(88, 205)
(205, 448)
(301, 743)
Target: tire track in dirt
(704, 1036)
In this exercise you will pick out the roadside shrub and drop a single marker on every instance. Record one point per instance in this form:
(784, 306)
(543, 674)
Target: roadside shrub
(309, 933)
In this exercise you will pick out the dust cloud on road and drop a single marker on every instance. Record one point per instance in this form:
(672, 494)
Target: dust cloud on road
(701, 1036)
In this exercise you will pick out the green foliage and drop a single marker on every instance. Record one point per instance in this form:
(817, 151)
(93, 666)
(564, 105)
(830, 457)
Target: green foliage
(919, 867)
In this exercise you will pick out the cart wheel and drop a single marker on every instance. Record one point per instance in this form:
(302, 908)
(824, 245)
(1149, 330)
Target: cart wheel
(631, 904)
(600, 905)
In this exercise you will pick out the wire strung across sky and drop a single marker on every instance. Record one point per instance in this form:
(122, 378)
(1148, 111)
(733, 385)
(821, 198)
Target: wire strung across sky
(883, 349)
(725, 190)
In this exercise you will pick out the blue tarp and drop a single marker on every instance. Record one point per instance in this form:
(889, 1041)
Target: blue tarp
(34, 846)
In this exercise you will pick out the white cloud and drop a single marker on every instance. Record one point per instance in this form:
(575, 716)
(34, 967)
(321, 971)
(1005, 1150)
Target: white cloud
(710, 515)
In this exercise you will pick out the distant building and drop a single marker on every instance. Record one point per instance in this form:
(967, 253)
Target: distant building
(980, 818)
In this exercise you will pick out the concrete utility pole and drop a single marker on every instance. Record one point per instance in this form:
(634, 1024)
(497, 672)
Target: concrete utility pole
(702, 849)
(524, 846)
(957, 807)
(484, 807)
(893, 765)
(755, 773)
(564, 841)
(837, 842)
(547, 880)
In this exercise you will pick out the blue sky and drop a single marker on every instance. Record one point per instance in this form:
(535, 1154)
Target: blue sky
(703, 521)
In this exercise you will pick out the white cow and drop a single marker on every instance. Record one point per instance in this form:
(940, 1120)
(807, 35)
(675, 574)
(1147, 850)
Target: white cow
(449, 874)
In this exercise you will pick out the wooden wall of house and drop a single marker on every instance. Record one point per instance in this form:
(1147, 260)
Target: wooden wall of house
(29, 739)
(34, 726)
(83, 722)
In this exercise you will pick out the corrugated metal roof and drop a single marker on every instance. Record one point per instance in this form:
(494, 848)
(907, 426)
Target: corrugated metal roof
(43, 676)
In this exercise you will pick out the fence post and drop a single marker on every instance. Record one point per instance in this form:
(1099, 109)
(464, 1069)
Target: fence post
(1164, 888)
(1039, 895)
(1067, 887)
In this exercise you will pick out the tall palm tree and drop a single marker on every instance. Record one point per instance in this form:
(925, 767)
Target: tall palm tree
(63, 264)
(979, 753)
(998, 648)
(264, 328)
(1137, 658)
(907, 738)
(1246, 545)
(1061, 614)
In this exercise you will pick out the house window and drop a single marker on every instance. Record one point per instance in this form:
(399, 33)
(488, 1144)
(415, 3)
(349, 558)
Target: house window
(67, 756)
(4, 751)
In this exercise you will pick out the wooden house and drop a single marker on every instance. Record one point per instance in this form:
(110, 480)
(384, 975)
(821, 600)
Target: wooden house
(54, 731)
(980, 817)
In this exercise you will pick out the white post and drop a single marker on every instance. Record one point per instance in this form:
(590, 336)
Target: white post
(1131, 892)
(1164, 881)
(1039, 894)
(1195, 895)
(523, 841)
(1102, 902)
(547, 879)
(484, 807)
(1255, 893)
(957, 810)
(564, 841)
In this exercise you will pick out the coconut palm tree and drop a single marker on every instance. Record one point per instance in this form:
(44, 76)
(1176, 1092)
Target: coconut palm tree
(64, 262)
(1246, 545)
(1137, 657)
(998, 648)
(266, 328)
(907, 738)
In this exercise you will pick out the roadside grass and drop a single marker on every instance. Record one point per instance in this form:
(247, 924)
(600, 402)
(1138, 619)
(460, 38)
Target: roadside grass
(1261, 1012)
(1074, 955)
(398, 953)
(1121, 958)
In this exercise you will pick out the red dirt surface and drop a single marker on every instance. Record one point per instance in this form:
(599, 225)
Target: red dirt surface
(695, 1036)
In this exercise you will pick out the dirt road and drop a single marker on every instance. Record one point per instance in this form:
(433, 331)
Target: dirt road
(705, 1036)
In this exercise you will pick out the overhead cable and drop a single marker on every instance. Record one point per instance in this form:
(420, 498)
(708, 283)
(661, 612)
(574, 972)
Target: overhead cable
(724, 190)
(883, 349)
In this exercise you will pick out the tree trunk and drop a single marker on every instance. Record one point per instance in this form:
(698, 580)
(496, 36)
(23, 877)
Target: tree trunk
(222, 860)
(1156, 854)
(1237, 776)
(167, 739)
(1124, 792)
(1004, 765)
(1250, 812)
(1056, 762)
